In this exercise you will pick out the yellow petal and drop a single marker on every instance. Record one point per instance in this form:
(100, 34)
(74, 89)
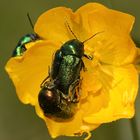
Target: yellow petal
(53, 24)
(83, 13)
(99, 18)
(113, 44)
(121, 96)
(29, 71)
(67, 128)
(111, 49)
(97, 80)
(89, 82)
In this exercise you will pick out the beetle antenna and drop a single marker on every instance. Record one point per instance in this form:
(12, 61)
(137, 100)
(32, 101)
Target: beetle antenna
(29, 18)
(70, 29)
(92, 36)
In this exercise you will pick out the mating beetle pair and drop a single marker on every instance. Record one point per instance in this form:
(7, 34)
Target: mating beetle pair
(60, 91)
(59, 96)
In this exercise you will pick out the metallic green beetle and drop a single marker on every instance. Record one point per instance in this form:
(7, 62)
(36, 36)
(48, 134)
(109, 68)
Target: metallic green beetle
(20, 48)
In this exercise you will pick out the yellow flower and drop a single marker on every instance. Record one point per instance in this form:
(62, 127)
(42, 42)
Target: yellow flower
(110, 84)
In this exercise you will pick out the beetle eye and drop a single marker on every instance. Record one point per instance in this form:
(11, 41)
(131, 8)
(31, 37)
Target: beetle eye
(49, 100)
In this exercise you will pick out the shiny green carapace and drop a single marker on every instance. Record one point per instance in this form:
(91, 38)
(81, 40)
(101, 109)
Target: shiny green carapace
(20, 48)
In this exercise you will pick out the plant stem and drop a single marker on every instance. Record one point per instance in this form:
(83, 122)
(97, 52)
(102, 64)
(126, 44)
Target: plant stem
(134, 129)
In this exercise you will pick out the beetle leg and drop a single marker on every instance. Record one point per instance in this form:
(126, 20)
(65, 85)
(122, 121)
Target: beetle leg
(83, 66)
(44, 81)
(90, 57)
(74, 91)
(77, 92)
(76, 95)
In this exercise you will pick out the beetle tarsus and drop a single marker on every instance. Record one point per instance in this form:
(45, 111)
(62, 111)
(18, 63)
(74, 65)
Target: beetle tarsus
(90, 57)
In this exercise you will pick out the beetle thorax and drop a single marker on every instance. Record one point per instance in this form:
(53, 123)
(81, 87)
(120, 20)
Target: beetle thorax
(73, 47)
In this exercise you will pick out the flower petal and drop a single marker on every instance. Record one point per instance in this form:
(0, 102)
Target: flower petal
(53, 24)
(112, 44)
(99, 18)
(66, 128)
(121, 96)
(89, 81)
(111, 49)
(84, 11)
(28, 72)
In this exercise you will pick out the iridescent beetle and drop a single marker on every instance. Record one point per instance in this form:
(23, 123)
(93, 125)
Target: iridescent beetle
(20, 48)
(60, 91)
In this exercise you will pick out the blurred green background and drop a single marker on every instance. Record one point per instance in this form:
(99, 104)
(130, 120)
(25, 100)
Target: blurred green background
(19, 121)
